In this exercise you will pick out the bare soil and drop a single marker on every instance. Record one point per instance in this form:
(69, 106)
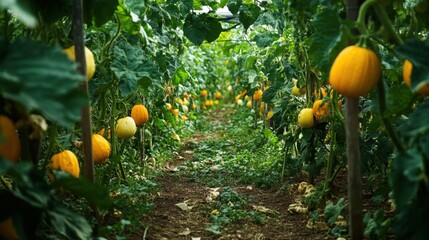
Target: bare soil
(168, 221)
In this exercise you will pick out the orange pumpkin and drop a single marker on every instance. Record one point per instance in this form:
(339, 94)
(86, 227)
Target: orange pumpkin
(320, 111)
(355, 71)
(65, 161)
(305, 118)
(204, 93)
(10, 147)
(257, 95)
(100, 149)
(218, 95)
(406, 74)
(140, 114)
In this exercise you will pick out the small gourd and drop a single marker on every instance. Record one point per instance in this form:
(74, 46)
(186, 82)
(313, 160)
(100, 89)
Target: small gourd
(305, 118)
(218, 95)
(257, 95)
(89, 59)
(100, 149)
(355, 71)
(249, 104)
(406, 74)
(10, 147)
(204, 93)
(140, 114)
(125, 127)
(65, 161)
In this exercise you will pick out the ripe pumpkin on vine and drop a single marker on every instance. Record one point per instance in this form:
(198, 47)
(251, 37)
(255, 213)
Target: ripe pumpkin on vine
(320, 111)
(355, 71)
(140, 114)
(125, 127)
(406, 74)
(10, 147)
(100, 149)
(204, 93)
(65, 161)
(89, 59)
(257, 95)
(305, 118)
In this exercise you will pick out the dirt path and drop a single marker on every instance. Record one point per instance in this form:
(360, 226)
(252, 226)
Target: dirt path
(191, 217)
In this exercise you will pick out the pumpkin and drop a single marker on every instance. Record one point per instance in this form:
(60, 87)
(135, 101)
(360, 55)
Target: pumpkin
(204, 93)
(295, 91)
(7, 230)
(175, 112)
(185, 108)
(249, 104)
(320, 111)
(89, 59)
(240, 102)
(65, 161)
(185, 95)
(257, 95)
(101, 132)
(229, 88)
(125, 127)
(305, 118)
(194, 106)
(168, 106)
(218, 95)
(139, 114)
(216, 102)
(10, 147)
(100, 149)
(355, 71)
(261, 108)
(406, 74)
(184, 118)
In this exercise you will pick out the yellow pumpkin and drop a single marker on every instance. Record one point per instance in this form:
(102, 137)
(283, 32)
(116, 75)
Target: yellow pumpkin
(204, 93)
(140, 114)
(89, 59)
(269, 115)
(257, 95)
(168, 106)
(10, 147)
(249, 104)
(65, 161)
(184, 118)
(406, 74)
(175, 112)
(295, 91)
(7, 230)
(194, 106)
(355, 71)
(100, 149)
(218, 95)
(125, 127)
(320, 111)
(305, 118)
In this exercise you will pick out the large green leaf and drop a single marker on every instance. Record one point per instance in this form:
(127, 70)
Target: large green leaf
(248, 15)
(20, 10)
(42, 78)
(130, 66)
(398, 101)
(328, 39)
(417, 123)
(198, 28)
(407, 173)
(81, 187)
(67, 222)
(415, 51)
(234, 6)
(265, 39)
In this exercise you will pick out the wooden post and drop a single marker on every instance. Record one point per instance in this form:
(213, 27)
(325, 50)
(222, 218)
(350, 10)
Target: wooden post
(78, 39)
(353, 156)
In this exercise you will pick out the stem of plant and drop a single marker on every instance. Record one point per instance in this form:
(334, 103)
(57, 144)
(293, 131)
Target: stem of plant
(384, 19)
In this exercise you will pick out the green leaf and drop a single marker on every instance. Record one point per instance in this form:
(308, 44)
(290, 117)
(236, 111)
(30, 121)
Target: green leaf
(265, 39)
(417, 123)
(67, 223)
(42, 78)
(198, 28)
(328, 39)
(333, 211)
(398, 101)
(407, 172)
(93, 193)
(180, 76)
(248, 15)
(98, 12)
(234, 6)
(21, 11)
(131, 67)
(415, 51)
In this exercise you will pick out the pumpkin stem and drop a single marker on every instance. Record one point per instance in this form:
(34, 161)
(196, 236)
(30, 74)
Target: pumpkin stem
(360, 22)
(384, 19)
